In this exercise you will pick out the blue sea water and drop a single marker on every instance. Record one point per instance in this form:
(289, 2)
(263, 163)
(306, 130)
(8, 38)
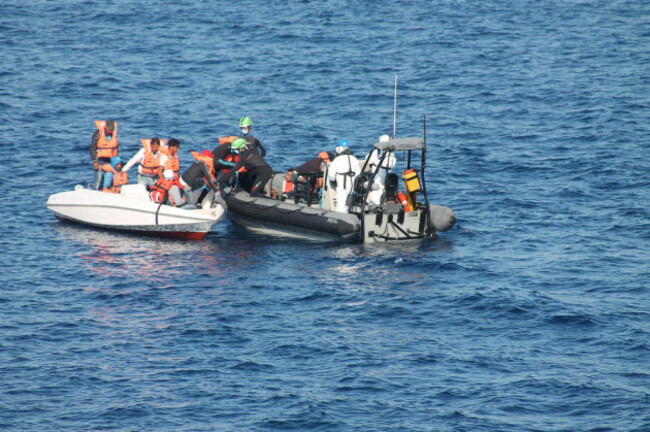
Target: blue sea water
(532, 314)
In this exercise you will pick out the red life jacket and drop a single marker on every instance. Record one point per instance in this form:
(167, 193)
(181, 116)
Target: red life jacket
(106, 148)
(151, 163)
(234, 159)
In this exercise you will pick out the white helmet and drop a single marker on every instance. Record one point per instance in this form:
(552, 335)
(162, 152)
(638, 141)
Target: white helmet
(168, 174)
(384, 138)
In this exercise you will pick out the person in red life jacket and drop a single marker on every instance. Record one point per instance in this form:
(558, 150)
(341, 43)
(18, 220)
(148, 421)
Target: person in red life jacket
(167, 190)
(103, 147)
(251, 162)
(169, 160)
(114, 176)
(148, 160)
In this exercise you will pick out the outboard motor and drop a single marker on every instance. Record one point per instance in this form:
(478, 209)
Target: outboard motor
(391, 186)
(442, 218)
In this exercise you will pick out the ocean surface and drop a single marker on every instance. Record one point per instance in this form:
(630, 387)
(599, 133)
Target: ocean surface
(531, 314)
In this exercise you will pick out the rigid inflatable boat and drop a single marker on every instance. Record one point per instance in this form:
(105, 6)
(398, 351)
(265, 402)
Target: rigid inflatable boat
(133, 210)
(378, 211)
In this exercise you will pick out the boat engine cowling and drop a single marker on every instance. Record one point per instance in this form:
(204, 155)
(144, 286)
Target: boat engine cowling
(442, 218)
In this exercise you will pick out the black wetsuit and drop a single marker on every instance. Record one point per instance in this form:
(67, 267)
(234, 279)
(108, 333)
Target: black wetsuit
(195, 174)
(253, 142)
(313, 165)
(257, 170)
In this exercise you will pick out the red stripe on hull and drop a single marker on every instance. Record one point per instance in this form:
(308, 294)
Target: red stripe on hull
(182, 235)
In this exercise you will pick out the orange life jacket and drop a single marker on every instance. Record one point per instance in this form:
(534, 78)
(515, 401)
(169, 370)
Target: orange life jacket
(324, 157)
(173, 164)
(106, 148)
(227, 139)
(288, 184)
(161, 188)
(151, 163)
(119, 178)
(403, 201)
(209, 161)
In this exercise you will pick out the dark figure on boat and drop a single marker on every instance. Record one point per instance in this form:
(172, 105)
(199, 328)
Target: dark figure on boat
(252, 170)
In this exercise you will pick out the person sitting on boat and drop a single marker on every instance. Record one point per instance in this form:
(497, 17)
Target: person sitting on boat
(103, 147)
(341, 173)
(169, 159)
(167, 190)
(148, 158)
(250, 161)
(376, 193)
(114, 176)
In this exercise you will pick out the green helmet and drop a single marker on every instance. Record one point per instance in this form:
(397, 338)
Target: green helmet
(238, 144)
(245, 122)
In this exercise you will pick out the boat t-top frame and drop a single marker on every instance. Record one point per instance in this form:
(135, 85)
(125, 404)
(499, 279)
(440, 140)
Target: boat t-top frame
(412, 146)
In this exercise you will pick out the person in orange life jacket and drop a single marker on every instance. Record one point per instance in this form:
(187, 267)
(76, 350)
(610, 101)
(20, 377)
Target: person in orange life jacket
(199, 177)
(148, 160)
(245, 126)
(103, 147)
(169, 160)
(342, 172)
(114, 177)
(251, 162)
(167, 190)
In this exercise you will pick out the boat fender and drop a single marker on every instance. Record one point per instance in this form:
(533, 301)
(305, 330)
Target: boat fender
(442, 218)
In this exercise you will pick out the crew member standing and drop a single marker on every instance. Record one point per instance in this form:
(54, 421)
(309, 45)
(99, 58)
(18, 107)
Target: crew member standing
(342, 171)
(246, 125)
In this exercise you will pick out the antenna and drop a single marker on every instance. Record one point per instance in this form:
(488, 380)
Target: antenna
(395, 108)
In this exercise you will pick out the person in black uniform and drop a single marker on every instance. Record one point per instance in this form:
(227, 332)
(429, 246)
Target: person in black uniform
(246, 124)
(257, 170)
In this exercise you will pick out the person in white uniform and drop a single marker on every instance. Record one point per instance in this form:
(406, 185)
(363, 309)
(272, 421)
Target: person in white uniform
(342, 172)
(374, 197)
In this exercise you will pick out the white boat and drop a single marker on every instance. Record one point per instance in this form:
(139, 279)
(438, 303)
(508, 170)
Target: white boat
(133, 210)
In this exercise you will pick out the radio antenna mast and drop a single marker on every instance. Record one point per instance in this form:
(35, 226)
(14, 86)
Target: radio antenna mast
(395, 108)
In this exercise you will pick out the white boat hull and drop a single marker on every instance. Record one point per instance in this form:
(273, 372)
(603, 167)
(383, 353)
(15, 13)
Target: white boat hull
(132, 210)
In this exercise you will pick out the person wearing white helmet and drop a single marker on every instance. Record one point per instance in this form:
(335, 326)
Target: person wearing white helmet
(376, 193)
(342, 172)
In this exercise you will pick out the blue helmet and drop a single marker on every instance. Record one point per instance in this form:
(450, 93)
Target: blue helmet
(115, 160)
(342, 146)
